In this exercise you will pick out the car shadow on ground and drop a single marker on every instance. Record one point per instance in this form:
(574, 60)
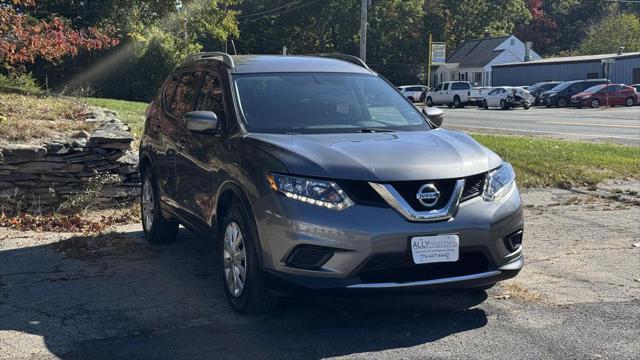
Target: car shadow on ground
(113, 296)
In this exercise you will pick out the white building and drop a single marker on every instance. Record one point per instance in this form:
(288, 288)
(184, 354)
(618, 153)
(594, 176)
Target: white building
(473, 59)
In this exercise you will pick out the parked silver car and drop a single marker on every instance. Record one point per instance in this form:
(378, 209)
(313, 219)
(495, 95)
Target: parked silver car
(316, 174)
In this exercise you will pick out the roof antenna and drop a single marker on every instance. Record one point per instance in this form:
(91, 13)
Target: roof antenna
(235, 52)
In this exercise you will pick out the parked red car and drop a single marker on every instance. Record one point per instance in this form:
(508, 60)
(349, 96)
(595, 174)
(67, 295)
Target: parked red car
(606, 94)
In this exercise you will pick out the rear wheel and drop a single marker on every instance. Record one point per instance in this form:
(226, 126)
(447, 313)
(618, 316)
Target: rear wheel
(503, 105)
(243, 283)
(429, 102)
(456, 101)
(484, 104)
(595, 103)
(157, 229)
(562, 102)
(628, 101)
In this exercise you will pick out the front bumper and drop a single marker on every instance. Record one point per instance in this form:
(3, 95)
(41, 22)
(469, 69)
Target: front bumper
(361, 234)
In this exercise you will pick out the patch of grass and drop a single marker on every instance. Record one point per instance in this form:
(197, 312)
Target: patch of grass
(544, 162)
(29, 118)
(130, 112)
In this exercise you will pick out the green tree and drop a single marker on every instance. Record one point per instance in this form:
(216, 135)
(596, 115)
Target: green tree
(612, 32)
(454, 21)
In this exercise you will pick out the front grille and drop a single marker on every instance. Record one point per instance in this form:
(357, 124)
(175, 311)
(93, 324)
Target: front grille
(362, 193)
(473, 187)
(399, 267)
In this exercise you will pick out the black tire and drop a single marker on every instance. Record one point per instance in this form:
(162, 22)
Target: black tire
(628, 101)
(595, 103)
(159, 230)
(503, 105)
(456, 102)
(449, 105)
(429, 101)
(527, 107)
(254, 298)
(484, 105)
(562, 102)
(411, 99)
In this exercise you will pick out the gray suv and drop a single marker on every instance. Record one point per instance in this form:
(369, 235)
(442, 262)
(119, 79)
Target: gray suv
(314, 174)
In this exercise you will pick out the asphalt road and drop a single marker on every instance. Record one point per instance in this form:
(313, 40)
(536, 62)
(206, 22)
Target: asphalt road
(616, 125)
(65, 296)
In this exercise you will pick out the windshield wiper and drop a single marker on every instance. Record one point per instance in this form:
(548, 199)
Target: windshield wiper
(375, 130)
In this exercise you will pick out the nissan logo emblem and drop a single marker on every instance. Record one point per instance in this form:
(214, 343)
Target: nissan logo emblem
(428, 195)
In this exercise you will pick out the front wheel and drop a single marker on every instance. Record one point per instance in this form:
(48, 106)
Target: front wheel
(485, 105)
(628, 101)
(503, 105)
(562, 102)
(157, 229)
(595, 103)
(243, 283)
(429, 102)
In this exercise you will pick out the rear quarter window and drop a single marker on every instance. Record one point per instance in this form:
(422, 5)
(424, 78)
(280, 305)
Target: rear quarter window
(169, 90)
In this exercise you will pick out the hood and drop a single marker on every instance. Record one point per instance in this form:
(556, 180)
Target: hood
(397, 156)
(548, 93)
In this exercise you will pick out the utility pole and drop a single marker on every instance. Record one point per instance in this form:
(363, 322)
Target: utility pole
(363, 30)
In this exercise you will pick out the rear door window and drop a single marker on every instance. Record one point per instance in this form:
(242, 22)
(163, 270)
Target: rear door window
(446, 87)
(185, 94)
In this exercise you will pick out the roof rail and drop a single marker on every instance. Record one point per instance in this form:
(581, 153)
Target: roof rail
(350, 58)
(226, 58)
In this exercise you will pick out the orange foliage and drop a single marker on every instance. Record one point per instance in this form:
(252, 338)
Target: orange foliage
(23, 39)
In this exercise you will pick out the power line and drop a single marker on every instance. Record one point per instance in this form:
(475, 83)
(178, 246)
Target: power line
(281, 10)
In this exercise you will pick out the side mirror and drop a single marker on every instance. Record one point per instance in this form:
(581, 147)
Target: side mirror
(201, 121)
(434, 114)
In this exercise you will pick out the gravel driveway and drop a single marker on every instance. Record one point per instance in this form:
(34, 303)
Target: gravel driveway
(75, 297)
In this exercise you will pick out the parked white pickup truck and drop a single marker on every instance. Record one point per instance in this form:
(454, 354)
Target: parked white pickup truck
(452, 93)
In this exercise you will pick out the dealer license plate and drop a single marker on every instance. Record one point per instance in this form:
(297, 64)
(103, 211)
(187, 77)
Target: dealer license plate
(434, 249)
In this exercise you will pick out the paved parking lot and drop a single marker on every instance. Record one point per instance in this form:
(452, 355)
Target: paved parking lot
(616, 125)
(71, 296)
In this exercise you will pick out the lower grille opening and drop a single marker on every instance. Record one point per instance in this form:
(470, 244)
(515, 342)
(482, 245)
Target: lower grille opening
(309, 257)
(514, 241)
(400, 268)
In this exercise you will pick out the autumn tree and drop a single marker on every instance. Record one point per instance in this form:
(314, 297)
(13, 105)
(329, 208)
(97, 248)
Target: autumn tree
(24, 38)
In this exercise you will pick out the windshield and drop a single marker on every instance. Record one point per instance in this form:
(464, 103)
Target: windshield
(595, 89)
(323, 102)
(562, 86)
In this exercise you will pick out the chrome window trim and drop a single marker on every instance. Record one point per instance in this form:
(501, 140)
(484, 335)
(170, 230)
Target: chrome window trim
(426, 282)
(398, 203)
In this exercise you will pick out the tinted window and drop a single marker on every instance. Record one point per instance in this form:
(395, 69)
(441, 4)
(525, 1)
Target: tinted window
(210, 97)
(438, 88)
(460, 86)
(184, 94)
(321, 102)
(446, 87)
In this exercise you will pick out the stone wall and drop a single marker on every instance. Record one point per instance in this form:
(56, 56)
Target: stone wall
(87, 169)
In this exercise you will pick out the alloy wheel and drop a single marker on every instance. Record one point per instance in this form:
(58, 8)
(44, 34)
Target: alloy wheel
(235, 267)
(147, 203)
(595, 103)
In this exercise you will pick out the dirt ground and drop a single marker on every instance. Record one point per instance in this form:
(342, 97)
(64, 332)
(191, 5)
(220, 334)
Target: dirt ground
(74, 296)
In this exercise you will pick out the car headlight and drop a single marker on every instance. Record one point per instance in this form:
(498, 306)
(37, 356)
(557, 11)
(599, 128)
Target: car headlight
(323, 193)
(499, 182)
